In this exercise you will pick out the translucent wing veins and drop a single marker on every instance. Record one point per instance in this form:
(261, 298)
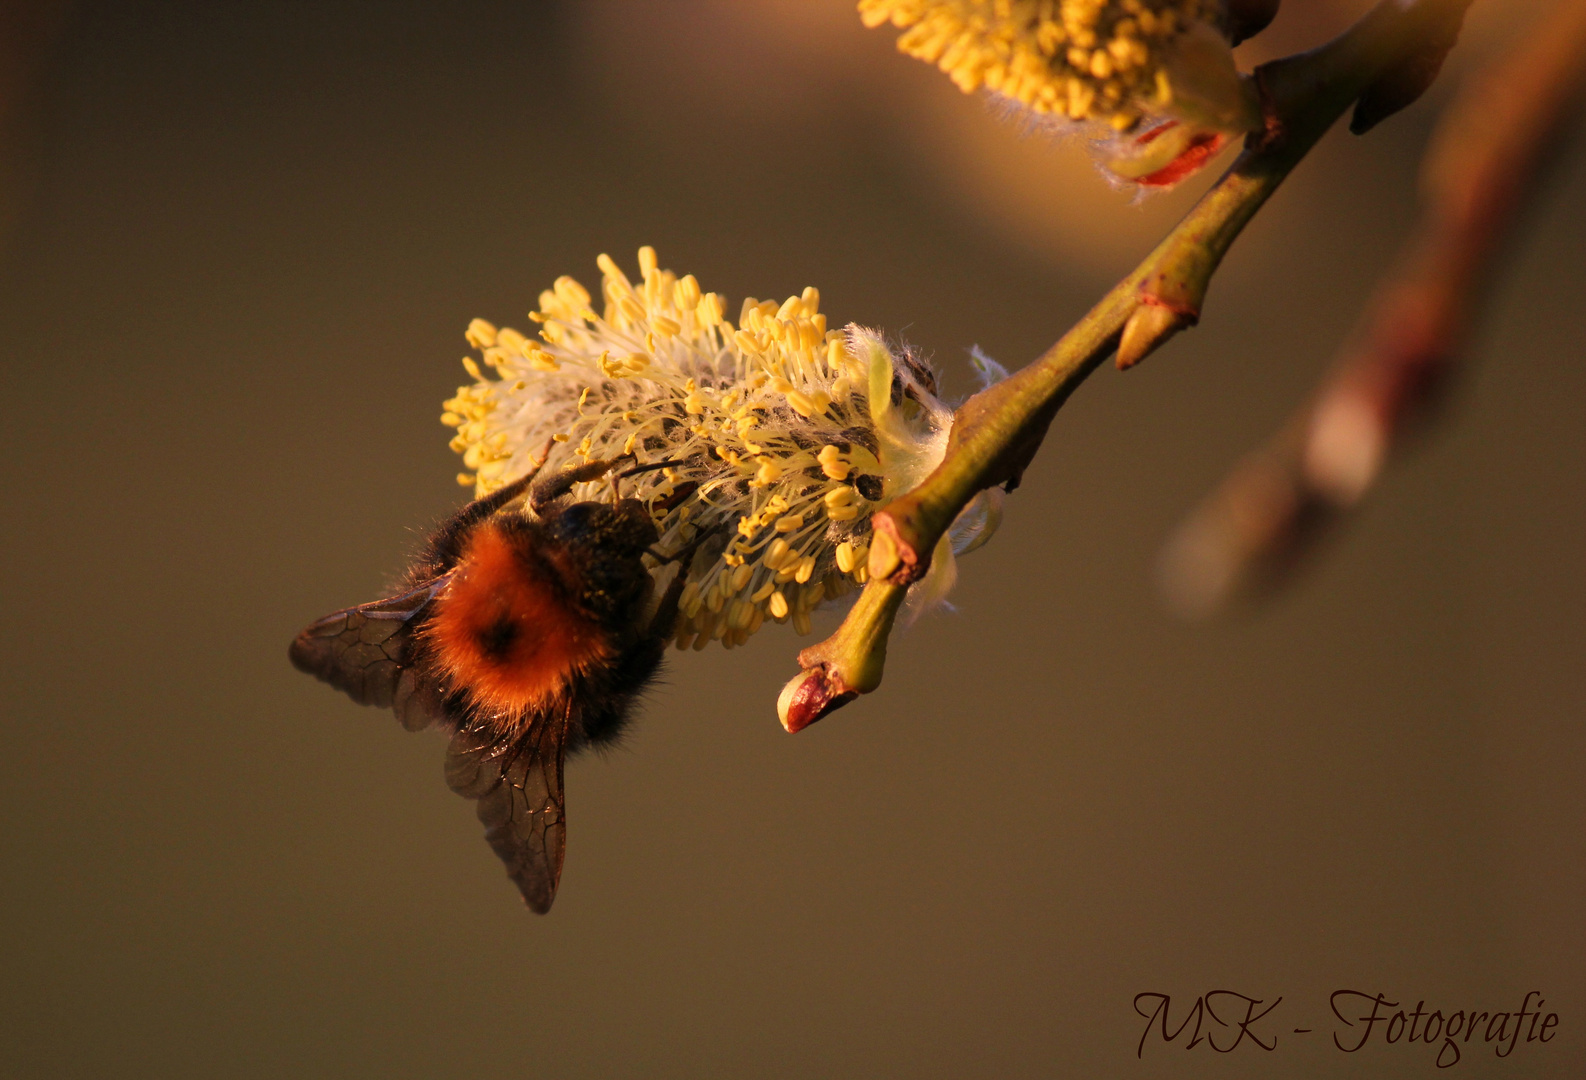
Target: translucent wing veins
(363, 651)
(518, 786)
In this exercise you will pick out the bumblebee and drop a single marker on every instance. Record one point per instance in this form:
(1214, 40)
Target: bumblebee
(525, 629)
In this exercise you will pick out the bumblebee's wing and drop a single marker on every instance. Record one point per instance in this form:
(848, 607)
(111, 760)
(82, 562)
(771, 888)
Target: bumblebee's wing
(365, 652)
(519, 789)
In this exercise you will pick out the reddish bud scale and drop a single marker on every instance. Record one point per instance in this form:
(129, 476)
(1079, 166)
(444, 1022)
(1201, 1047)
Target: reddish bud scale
(1202, 148)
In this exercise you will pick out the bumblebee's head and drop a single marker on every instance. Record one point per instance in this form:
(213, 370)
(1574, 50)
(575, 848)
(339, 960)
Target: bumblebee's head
(603, 545)
(624, 529)
(506, 629)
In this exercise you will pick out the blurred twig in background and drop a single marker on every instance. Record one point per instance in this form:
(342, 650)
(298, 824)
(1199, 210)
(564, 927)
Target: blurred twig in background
(1488, 155)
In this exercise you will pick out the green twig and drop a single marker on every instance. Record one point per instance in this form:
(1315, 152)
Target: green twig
(997, 432)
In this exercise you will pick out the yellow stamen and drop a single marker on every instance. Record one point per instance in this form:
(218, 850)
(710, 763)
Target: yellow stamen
(480, 334)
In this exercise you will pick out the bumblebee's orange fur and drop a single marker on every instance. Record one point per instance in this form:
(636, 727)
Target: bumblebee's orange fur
(508, 628)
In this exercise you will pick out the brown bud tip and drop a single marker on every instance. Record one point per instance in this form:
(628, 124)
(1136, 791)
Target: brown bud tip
(808, 696)
(1147, 330)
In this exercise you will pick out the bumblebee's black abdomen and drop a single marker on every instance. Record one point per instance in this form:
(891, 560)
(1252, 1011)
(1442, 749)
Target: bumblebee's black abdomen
(606, 697)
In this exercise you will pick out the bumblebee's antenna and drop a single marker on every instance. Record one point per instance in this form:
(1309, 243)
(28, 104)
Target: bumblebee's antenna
(619, 477)
(649, 468)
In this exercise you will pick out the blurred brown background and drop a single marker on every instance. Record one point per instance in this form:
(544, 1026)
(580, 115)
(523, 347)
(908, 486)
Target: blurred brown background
(242, 242)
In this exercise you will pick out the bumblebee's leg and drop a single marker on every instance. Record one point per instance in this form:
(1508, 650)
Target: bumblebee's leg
(447, 541)
(482, 508)
(553, 487)
(674, 500)
(664, 621)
